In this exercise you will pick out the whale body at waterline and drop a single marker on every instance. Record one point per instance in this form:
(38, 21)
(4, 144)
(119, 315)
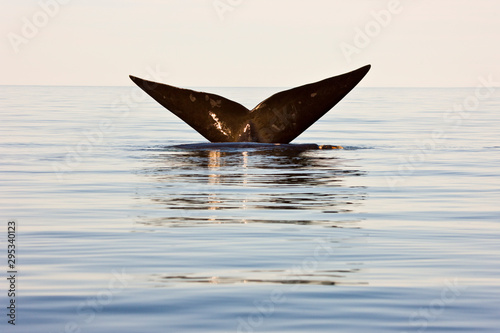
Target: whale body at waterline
(278, 119)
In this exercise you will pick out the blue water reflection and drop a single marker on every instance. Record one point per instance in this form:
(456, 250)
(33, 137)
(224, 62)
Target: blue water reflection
(272, 184)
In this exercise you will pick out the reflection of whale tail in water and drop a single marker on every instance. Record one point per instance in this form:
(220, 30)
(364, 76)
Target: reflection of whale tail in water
(278, 119)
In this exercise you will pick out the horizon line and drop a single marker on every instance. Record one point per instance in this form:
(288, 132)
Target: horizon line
(207, 86)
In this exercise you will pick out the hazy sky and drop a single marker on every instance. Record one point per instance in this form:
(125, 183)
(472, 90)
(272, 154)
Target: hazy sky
(249, 42)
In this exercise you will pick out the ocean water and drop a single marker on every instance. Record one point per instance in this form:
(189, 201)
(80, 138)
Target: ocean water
(127, 221)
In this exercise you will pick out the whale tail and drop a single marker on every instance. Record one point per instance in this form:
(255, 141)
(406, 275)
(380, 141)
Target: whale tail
(278, 119)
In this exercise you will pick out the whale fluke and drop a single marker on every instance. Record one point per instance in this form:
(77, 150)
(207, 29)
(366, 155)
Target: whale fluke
(278, 119)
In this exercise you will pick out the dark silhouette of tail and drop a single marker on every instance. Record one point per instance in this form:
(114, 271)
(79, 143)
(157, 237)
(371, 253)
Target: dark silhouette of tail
(278, 119)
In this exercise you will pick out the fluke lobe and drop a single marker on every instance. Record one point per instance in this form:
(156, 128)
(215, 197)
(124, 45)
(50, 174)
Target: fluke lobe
(278, 119)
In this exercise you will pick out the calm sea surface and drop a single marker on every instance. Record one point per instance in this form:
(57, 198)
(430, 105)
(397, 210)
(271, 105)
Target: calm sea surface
(121, 227)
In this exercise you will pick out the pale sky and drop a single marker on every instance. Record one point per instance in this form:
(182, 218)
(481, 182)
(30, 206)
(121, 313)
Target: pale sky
(284, 43)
